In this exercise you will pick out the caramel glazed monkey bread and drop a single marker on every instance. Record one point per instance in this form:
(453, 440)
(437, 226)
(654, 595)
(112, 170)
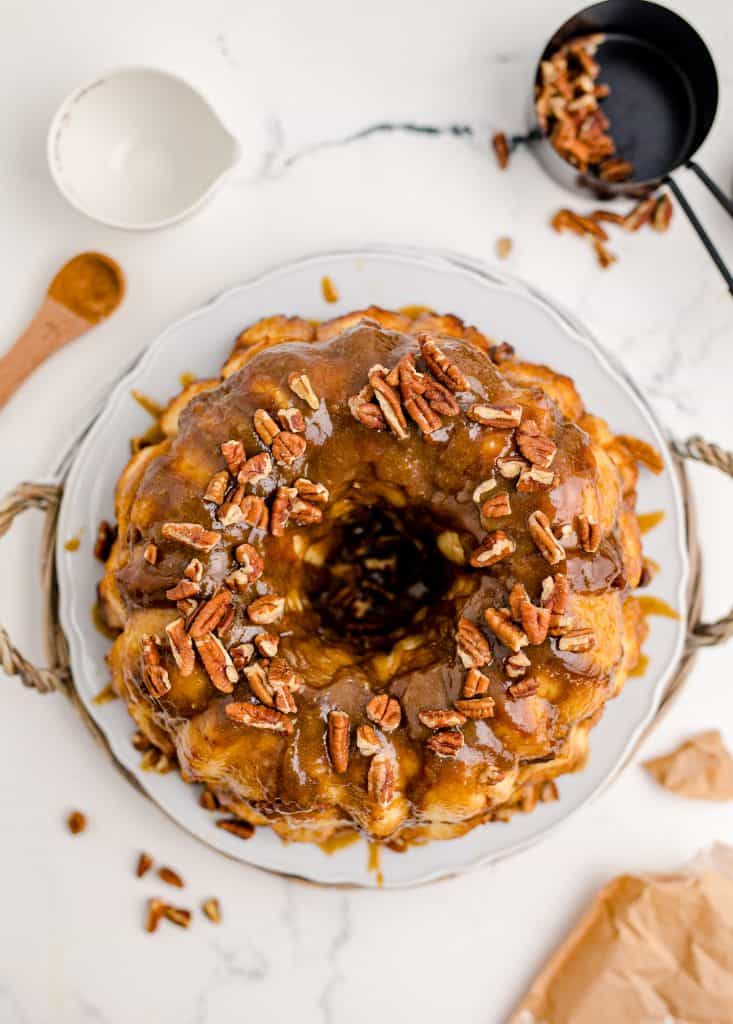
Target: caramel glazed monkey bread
(376, 576)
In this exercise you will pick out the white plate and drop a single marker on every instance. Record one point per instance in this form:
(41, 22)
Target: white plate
(504, 309)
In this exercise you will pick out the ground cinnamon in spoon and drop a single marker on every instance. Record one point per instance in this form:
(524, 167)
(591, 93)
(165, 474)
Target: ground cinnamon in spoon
(90, 285)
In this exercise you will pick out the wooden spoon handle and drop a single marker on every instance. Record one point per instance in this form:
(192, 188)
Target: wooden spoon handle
(52, 326)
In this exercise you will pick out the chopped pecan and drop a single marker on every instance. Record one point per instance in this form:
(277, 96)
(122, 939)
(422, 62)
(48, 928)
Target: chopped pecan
(229, 512)
(287, 448)
(475, 683)
(339, 727)
(445, 742)
(501, 149)
(662, 213)
(170, 877)
(291, 419)
(181, 646)
(210, 614)
(235, 826)
(472, 646)
(183, 590)
(258, 716)
(497, 506)
(366, 411)
(233, 452)
(212, 910)
(154, 914)
(517, 597)
(577, 640)
(305, 513)
(217, 662)
(440, 399)
(241, 655)
(282, 673)
(384, 711)
(150, 553)
(494, 547)
(310, 491)
(381, 778)
(250, 561)
(191, 534)
(534, 446)
(194, 570)
(482, 489)
(217, 487)
(144, 864)
(567, 220)
(281, 508)
(300, 385)
(104, 540)
(76, 822)
(532, 478)
(441, 718)
(367, 741)
(255, 512)
(388, 401)
(546, 542)
(267, 644)
(499, 621)
(155, 674)
(526, 687)
(641, 213)
(255, 469)
(516, 665)
(510, 466)
(588, 531)
(476, 707)
(441, 367)
(266, 610)
(265, 426)
(501, 417)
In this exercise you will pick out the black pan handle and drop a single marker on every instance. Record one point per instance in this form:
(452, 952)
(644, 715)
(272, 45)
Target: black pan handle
(708, 182)
(701, 232)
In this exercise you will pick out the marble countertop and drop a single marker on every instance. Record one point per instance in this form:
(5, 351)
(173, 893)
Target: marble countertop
(287, 77)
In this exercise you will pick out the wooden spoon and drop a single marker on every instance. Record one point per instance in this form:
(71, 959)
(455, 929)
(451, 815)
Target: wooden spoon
(86, 290)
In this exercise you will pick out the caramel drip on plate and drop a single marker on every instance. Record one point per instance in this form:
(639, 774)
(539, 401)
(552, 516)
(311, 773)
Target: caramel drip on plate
(648, 520)
(656, 606)
(374, 864)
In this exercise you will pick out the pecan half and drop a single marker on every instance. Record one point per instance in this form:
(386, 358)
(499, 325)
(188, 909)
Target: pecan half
(287, 448)
(532, 478)
(482, 489)
(191, 534)
(420, 411)
(256, 676)
(501, 417)
(291, 419)
(255, 469)
(526, 687)
(534, 446)
(366, 411)
(266, 610)
(233, 452)
(384, 711)
(475, 683)
(258, 716)
(282, 674)
(516, 665)
(367, 741)
(150, 553)
(510, 466)
(194, 570)
(472, 646)
(441, 718)
(445, 742)
(170, 877)
(265, 426)
(210, 614)
(267, 644)
(255, 512)
(155, 674)
(589, 532)
(339, 728)
(299, 383)
(305, 513)
(535, 622)
(154, 913)
(250, 561)
(144, 864)
(381, 778)
(494, 547)
(499, 621)
(497, 507)
(241, 655)
(183, 590)
(476, 707)
(230, 513)
(310, 491)
(440, 399)
(577, 640)
(517, 597)
(217, 662)
(181, 646)
(545, 541)
(443, 368)
(217, 487)
(388, 401)
(235, 826)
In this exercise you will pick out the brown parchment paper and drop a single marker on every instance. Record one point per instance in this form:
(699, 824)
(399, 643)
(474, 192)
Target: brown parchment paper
(701, 768)
(648, 950)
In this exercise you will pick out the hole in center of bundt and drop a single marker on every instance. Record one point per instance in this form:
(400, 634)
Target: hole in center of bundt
(384, 568)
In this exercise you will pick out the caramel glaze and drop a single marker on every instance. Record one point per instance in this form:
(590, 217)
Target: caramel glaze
(288, 780)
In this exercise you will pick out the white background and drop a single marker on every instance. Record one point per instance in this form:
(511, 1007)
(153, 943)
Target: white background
(284, 76)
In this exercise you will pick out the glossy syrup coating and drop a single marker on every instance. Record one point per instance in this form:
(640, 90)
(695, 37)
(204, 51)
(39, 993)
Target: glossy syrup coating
(374, 592)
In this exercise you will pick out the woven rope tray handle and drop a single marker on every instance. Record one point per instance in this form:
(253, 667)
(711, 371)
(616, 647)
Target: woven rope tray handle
(708, 634)
(57, 676)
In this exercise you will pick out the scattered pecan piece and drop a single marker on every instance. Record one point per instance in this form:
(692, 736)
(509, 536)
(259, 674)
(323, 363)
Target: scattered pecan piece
(367, 741)
(155, 675)
(504, 247)
(181, 646)
(497, 506)
(443, 368)
(475, 683)
(217, 487)
(567, 220)
(381, 778)
(501, 417)
(177, 915)
(546, 542)
(104, 540)
(236, 827)
(144, 864)
(472, 646)
(210, 614)
(291, 419)
(191, 534)
(441, 718)
(445, 742)
(267, 644)
(501, 149)
(482, 489)
(233, 452)
(662, 213)
(516, 665)
(534, 446)
(76, 822)
(255, 469)
(339, 727)
(266, 610)
(150, 553)
(499, 621)
(532, 478)
(212, 910)
(494, 548)
(217, 662)
(265, 426)
(254, 512)
(577, 640)
(388, 401)
(287, 448)
(526, 687)
(588, 531)
(241, 655)
(208, 800)
(258, 716)
(384, 711)
(604, 256)
(476, 707)
(299, 384)
(641, 213)
(170, 877)
(194, 570)
(155, 910)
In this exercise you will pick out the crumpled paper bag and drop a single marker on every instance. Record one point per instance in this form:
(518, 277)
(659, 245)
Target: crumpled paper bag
(701, 767)
(652, 949)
